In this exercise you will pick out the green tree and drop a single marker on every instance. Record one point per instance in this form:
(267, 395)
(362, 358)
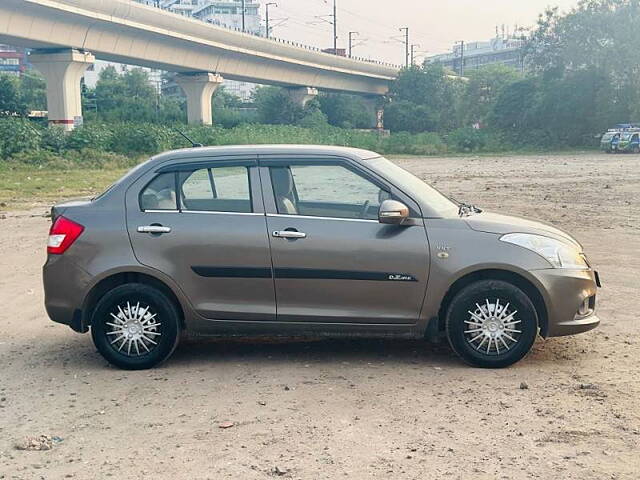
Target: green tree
(108, 92)
(276, 107)
(405, 116)
(11, 102)
(346, 111)
(33, 90)
(483, 89)
(131, 97)
(222, 98)
(517, 105)
(592, 55)
(597, 34)
(127, 97)
(431, 88)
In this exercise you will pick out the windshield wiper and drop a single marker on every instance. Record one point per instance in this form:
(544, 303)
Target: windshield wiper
(466, 209)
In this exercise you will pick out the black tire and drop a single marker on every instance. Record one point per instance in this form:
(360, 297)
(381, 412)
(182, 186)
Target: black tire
(165, 332)
(472, 305)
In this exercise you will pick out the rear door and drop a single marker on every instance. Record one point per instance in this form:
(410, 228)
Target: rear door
(203, 224)
(333, 261)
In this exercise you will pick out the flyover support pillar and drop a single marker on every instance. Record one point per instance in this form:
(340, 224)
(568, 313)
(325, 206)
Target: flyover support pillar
(375, 107)
(199, 88)
(302, 96)
(63, 71)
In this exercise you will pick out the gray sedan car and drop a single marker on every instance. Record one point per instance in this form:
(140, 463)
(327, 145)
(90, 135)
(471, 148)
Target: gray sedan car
(304, 240)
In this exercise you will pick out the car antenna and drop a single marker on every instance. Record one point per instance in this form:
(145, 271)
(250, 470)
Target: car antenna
(193, 144)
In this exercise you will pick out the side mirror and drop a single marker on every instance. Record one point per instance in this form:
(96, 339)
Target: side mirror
(393, 212)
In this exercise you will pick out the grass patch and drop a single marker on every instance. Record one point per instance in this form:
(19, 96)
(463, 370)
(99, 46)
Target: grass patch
(24, 187)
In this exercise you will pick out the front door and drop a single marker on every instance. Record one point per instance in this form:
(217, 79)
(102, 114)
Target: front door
(203, 225)
(333, 261)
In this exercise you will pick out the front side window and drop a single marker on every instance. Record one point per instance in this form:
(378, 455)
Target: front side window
(325, 191)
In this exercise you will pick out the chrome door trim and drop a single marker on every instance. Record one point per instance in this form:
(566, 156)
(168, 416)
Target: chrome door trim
(160, 211)
(216, 212)
(279, 215)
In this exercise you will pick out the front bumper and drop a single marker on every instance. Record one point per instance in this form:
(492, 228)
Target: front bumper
(564, 292)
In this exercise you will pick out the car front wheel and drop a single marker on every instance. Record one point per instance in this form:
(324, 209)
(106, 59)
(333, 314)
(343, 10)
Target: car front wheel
(491, 324)
(135, 326)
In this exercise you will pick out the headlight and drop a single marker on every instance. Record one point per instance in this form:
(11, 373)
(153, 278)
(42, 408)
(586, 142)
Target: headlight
(559, 254)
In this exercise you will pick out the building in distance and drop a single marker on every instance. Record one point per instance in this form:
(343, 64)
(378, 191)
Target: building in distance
(505, 50)
(12, 60)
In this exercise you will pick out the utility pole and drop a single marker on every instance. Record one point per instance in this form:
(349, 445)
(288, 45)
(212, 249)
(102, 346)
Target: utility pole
(267, 19)
(406, 44)
(351, 34)
(461, 42)
(334, 22)
(335, 28)
(413, 53)
(243, 12)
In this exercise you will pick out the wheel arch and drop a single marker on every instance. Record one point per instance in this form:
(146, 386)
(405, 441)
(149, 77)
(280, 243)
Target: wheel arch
(520, 281)
(121, 278)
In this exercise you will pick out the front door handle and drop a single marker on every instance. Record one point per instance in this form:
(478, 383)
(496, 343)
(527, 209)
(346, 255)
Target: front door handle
(289, 234)
(153, 229)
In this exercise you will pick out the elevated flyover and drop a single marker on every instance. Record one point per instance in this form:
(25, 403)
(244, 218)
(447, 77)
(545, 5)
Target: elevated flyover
(69, 34)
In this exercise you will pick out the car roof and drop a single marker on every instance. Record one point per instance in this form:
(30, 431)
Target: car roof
(233, 150)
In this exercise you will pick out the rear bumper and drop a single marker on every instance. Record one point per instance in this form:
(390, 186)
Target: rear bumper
(65, 286)
(564, 292)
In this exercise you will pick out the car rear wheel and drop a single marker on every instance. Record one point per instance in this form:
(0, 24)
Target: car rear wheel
(491, 324)
(135, 326)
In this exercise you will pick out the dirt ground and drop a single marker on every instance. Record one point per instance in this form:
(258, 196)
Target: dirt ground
(345, 409)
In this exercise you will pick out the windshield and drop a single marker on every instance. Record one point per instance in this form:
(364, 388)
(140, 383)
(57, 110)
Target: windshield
(413, 186)
(626, 136)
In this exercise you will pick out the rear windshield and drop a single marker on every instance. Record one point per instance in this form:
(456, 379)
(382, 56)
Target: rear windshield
(117, 182)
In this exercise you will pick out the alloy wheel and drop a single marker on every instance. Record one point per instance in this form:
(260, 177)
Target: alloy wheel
(492, 328)
(133, 330)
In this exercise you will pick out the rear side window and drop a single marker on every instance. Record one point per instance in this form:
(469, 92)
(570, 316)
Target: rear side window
(216, 189)
(211, 189)
(160, 193)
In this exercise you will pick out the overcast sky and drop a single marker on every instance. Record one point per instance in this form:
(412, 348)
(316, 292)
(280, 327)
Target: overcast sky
(435, 25)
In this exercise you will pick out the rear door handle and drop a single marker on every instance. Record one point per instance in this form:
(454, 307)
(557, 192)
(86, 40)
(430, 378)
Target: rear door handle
(153, 229)
(289, 234)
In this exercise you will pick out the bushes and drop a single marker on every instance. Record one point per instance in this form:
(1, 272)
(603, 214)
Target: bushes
(95, 135)
(18, 135)
(135, 139)
(54, 139)
(469, 140)
(410, 144)
(97, 145)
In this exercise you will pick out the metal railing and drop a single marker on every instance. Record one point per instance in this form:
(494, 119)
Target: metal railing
(271, 38)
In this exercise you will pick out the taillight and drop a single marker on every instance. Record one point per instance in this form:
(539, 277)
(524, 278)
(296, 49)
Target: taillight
(62, 234)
